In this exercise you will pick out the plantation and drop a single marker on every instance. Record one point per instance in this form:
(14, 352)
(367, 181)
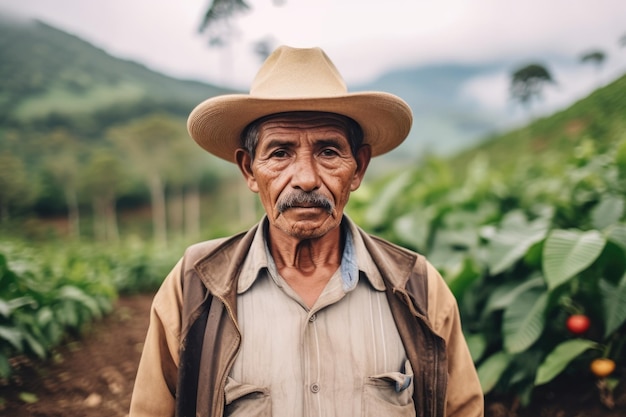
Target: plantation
(528, 229)
(536, 258)
(50, 293)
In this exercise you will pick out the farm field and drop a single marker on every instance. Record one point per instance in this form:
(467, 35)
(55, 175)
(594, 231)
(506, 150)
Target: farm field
(93, 377)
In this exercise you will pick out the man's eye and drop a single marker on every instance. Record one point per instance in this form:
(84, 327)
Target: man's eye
(329, 152)
(279, 153)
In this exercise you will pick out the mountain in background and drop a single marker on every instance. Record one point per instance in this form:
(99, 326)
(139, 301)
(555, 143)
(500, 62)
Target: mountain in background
(50, 79)
(445, 119)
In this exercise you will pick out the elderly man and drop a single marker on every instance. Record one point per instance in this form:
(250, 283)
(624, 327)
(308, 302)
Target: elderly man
(305, 314)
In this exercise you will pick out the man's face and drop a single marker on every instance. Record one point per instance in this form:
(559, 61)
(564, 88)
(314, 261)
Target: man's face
(304, 171)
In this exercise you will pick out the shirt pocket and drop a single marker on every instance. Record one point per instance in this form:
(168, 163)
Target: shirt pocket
(246, 400)
(389, 394)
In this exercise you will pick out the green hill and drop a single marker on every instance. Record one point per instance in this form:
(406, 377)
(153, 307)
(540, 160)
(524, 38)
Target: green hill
(49, 78)
(601, 117)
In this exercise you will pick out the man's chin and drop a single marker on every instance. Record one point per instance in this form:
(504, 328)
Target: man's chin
(306, 223)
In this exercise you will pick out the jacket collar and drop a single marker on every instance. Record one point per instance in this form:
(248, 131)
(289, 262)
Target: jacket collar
(220, 268)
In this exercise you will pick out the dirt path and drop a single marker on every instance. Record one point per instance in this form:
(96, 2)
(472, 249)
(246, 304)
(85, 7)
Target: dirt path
(94, 377)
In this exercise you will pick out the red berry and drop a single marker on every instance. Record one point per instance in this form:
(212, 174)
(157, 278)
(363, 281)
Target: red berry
(578, 324)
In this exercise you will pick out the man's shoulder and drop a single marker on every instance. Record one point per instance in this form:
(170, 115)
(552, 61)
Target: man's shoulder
(205, 249)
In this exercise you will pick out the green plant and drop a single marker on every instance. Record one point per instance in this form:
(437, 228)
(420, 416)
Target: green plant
(522, 251)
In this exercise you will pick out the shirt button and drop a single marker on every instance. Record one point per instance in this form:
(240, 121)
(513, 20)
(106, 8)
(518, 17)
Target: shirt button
(315, 388)
(313, 318)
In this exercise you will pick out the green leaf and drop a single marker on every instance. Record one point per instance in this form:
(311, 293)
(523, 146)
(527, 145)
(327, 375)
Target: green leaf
(13, 336)
(378, 211)
(614, 298)
(504, 295)
(510, 243)
(5, 367)
(524, 320)
(490, 371)
(35, 345)
(413, 228)
(568, 252)
(477, 344)
(560, 357)
(7, 307)
(608, 211)
(70, 292)
(462, 279)
(617, 235)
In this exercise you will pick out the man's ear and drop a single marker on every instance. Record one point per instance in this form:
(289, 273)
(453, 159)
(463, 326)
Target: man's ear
(363, 157)
(244, 162)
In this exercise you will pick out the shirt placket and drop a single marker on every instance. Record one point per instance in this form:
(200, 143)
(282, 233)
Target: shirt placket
(313, 386)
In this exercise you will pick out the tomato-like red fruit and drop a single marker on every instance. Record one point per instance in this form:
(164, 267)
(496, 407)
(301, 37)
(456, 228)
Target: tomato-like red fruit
(578, 324)
(602, 367)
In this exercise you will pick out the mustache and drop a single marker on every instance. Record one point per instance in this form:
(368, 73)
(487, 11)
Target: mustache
(300, 198)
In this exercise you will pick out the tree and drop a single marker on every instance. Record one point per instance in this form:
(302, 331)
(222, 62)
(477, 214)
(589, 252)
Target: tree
(596, 57)
(147, 142)
(102, 180)
(219, 13)
(14, 185)
(62, 164)
(527, 83)
(183, 178)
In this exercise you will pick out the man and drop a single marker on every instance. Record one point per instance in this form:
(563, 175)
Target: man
(305, 314)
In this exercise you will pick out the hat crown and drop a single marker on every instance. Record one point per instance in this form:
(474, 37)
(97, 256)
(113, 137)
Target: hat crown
(298, 72)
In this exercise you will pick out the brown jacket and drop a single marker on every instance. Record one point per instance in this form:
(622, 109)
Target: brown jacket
(193, 336)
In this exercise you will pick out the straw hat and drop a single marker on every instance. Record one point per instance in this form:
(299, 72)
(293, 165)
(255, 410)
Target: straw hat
(293, 79)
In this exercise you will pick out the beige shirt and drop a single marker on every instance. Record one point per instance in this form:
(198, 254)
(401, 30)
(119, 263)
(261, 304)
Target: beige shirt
(342, 357)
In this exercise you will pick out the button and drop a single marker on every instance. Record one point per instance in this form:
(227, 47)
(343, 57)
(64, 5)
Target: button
(313, 318)
(315, 388)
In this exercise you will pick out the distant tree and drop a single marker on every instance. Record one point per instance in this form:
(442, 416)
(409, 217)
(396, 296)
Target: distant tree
(527, 83)
(14, 185)
(215, 21)
(622, 40)
(596, 57)
(148, 142)
(103, 178)
(183, 177)
(62, 164)
(263, 48)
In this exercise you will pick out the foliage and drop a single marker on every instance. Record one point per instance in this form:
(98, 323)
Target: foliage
(50, 293)
(527, 82)
(522, 252)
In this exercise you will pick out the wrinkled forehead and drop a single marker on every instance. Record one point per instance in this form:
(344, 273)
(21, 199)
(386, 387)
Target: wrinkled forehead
(305, 120)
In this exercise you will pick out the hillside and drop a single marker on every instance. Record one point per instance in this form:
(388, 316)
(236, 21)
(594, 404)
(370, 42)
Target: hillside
(601, 116)
(50, 78)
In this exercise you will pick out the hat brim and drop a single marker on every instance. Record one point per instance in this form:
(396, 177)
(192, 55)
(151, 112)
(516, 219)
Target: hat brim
(217, 123)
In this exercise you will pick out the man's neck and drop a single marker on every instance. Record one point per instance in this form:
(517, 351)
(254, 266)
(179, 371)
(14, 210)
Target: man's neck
(306, 265)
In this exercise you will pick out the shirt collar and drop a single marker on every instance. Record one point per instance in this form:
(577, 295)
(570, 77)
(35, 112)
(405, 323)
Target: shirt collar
(355, 260)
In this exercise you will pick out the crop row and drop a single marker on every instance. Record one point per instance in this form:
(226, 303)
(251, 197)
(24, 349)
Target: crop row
(49, 294)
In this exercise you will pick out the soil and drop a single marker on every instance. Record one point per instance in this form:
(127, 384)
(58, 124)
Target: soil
(93, 377)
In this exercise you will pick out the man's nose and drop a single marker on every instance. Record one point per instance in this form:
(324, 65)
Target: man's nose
(305, 175)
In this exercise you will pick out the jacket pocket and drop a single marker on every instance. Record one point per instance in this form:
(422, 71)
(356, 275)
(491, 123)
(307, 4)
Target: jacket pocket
(247, 400)
(389, 394)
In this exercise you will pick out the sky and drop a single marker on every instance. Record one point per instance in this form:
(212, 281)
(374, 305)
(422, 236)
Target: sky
(364, 38)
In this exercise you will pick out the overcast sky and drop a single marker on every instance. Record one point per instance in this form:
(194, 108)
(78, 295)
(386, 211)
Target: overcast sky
(363, 37)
